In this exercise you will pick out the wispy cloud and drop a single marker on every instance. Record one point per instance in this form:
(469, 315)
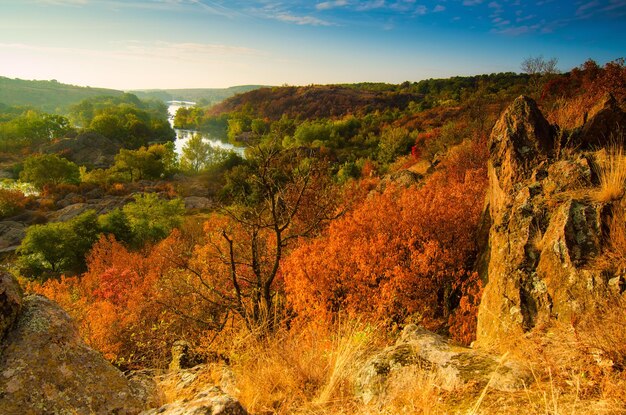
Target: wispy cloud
(439, 8)
(300, 20)
(212, 7)
(327, 5)
(370, 5)
(62, 2)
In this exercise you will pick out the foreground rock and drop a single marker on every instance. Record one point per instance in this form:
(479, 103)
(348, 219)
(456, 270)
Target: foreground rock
(454, 367)
(212, 401)
(45, 368)
(546, 228)
(192, 391)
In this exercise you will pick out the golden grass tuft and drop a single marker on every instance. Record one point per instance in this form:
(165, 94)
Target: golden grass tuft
(612, 175)
(310, 371)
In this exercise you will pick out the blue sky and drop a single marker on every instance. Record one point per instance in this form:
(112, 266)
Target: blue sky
(133, 44)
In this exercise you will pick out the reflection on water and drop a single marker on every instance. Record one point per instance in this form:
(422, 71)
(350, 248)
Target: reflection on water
(182, 136)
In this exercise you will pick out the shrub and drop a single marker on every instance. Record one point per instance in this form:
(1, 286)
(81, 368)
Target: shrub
(12, 202)
(411, 247)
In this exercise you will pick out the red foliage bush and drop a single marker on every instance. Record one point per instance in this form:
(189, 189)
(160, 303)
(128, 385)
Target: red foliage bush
(399, 254)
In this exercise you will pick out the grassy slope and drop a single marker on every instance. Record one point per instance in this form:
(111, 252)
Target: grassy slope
(49, 96)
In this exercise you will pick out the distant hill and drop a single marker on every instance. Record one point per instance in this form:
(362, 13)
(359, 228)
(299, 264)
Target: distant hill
(318, 101)
(201, 96)
(49, 96)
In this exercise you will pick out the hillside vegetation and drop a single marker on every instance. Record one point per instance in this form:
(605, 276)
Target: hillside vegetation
(370, 236)
(47, 96)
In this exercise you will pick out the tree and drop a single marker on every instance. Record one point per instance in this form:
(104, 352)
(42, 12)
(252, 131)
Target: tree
(56, 248)
(283, 196)
(146, 163)
(539, 70)
(45, 169)
(539, 66)
(151, 219)
(195, 154)
(394, 142)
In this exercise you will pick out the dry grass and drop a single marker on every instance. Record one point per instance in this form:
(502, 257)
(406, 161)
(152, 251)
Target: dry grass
(308, 372)
(613, 258)
(578, 369)
(612, 175)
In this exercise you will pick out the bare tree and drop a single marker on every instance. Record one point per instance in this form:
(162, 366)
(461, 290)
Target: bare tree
(281, 196)
(539, 66)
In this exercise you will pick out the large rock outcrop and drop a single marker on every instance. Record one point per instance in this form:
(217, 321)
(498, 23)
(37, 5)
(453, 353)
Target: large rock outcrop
(546, 229)
(86, 149)
(454, 367)
(45, 368)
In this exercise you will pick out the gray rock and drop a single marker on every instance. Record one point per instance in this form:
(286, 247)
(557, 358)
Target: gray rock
(197, 202)
(46, 368)
(212, 401)
(604, 123)
(454, 366)
(11, 235)
(183, 357)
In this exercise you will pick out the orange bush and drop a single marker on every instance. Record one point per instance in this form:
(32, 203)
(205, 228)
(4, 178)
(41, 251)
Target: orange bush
(121, 303)
(399, 254)
(11, 202)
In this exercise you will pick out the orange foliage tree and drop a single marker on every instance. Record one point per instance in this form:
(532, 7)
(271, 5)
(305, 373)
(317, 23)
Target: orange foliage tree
(400, 253)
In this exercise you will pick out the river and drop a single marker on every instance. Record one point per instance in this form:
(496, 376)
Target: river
(182, 136)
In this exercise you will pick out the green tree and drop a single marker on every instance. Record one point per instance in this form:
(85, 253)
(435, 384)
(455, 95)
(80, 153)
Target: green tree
(116, 223)
(60, 247)
(394, 142)
(45, 169)
(151, 218)
(152, 162)
(195, 154)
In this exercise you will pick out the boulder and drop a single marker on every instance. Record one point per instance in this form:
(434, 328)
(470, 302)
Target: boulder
(11, 235)
(197, 202)
(212, 401)
(10, 302)
(453, 366)
(45, 368)
(100, 206)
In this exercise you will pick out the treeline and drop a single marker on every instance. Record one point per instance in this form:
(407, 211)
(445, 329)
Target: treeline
(123, 119)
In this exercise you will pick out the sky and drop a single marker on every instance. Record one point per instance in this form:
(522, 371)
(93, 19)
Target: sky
(143, 44)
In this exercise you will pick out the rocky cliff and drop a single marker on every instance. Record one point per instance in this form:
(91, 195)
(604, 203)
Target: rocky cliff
(547, 228)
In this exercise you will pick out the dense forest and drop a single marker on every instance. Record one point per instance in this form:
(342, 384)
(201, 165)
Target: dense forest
(356, 210)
